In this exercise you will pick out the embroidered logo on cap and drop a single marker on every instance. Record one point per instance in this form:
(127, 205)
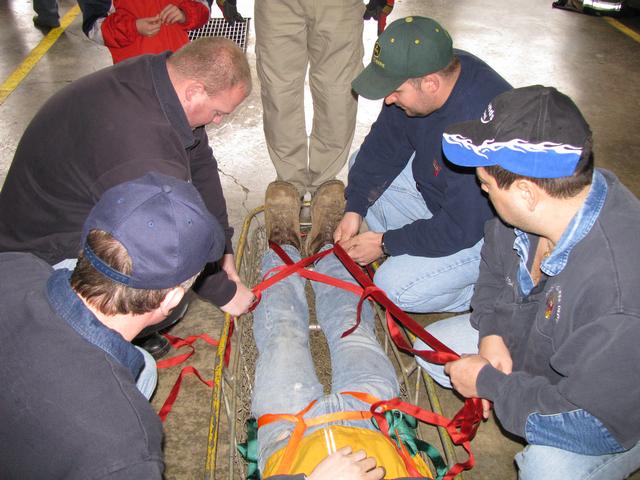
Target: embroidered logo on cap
(376, 55)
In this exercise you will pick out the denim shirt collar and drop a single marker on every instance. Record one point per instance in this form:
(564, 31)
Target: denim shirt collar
(169, 101)
(577, 229)
(66, 303)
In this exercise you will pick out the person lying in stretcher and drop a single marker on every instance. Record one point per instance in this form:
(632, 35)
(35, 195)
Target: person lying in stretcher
(340, 440)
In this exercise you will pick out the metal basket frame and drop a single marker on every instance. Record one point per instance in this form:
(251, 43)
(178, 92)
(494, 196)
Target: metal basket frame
(415, 384)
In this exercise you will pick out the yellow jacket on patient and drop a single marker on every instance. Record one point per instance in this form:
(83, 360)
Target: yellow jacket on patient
(314, 447)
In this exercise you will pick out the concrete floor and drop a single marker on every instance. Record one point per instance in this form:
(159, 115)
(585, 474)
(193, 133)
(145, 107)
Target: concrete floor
(527, 41)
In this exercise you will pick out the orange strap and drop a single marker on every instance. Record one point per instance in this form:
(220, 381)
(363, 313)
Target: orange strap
(463, 426)
(301, 425)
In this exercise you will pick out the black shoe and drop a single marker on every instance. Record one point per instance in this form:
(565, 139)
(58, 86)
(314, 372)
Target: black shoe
(151, 340)
(44, 25)
(155, 344)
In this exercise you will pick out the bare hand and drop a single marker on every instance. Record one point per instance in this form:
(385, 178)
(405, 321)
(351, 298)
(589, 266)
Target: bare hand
(464, 373)
(493, 348)
(229, 266)
(364, 248)
(148, 26)
(172, 14)
(348, 227)
(345, 465)
(240, 302)
(486, 408)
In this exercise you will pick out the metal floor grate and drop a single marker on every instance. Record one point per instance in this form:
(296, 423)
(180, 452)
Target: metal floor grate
(218, 27)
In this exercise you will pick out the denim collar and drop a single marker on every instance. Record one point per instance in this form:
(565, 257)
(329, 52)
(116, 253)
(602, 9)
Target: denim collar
(66, 303)
(577, 229)
(169, 101)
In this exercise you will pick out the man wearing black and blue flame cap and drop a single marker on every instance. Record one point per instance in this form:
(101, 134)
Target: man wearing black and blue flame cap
(73, 400)
(555, 326)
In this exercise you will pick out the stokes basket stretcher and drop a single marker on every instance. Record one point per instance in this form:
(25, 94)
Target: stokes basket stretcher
(235, 362)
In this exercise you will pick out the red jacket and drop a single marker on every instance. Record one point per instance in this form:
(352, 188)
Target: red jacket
(121, 35)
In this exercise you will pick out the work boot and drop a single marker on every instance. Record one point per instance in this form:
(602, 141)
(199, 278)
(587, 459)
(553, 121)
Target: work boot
(327, 209)
(282, 214)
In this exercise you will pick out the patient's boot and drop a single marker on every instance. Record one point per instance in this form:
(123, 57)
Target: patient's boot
(327, 209)
(282, 214)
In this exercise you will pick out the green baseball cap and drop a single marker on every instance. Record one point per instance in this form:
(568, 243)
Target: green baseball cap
(410, 47)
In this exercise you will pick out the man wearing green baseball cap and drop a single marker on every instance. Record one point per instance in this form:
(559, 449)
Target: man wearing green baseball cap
(424, 214)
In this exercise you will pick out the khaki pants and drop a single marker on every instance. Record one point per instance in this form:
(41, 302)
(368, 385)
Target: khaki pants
(325, 35)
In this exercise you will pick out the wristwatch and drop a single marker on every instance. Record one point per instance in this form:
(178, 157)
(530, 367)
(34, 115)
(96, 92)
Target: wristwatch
(384, 248)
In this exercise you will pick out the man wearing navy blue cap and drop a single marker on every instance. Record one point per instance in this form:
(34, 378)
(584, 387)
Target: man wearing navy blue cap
(70, 405)
(555, 326)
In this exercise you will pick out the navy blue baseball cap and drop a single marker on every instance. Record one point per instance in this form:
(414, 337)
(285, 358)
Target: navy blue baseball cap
(163, 224)
(533, 131)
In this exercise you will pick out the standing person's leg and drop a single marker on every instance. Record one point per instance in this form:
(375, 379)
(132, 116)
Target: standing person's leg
(281, 61)
(47, 13)
(358, 362)
(335, 57)
(285, 378)
(420, 284)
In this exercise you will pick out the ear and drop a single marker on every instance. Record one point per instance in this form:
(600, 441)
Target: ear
(529, 193)
(193, 90)
(430, 83)
(171, 300)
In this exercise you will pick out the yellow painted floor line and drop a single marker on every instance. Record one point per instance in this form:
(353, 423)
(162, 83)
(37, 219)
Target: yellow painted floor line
(623, 28)
(11, 83)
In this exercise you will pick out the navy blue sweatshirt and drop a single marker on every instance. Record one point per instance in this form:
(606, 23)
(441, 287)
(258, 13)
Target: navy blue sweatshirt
(451, 193)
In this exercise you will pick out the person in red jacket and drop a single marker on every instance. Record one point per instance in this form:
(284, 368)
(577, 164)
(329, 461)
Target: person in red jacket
(135, 27)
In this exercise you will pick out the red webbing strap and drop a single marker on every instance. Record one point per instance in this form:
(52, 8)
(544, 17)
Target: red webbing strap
(442, 353)
(168, 404)
(178, 342)
(283, 271)
(463, 426)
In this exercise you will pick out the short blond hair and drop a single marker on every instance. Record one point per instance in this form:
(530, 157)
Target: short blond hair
(218, 63)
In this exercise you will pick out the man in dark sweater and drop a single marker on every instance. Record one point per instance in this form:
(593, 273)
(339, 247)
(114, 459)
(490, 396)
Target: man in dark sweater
(556, 310)
(423, 213)
(147, 114)
(69, 404)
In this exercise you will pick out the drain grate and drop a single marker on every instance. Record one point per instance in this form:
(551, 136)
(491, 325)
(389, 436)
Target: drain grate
(218, 27)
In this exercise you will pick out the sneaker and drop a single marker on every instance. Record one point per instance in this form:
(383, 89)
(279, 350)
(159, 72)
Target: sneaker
(327, 209)
(282, 214)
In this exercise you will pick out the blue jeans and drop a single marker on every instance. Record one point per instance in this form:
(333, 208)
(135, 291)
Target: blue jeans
(535, 461)
(285, 379)
(538, 461)
(420, 284)
(148, 376)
